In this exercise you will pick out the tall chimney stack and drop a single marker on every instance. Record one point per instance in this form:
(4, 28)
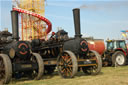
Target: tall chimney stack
(15, 26)
(76, 13)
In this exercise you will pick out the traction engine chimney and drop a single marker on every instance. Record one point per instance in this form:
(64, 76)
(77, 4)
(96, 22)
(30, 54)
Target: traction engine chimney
(15, 26)
(76, 14)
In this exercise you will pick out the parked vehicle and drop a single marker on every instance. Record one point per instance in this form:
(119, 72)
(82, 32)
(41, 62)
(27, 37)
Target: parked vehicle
(116, 53)
(77, 55)
(68, 54)
(16, 57)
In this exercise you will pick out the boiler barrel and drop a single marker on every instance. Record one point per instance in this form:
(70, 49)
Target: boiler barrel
(97, 45)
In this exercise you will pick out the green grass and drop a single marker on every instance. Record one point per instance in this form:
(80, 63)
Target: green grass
(108, 76)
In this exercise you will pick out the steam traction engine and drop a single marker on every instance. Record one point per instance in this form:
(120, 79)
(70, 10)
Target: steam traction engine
(50, 49)
(16, 58)
(73, 53)
(76, 54)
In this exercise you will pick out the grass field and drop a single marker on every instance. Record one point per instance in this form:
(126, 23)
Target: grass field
(108, 76)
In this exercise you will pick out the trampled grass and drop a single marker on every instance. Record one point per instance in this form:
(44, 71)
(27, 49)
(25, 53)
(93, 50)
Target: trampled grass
(108, 76)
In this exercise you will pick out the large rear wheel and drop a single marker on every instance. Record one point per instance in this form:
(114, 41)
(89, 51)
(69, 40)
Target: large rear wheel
(67, 64)
(118, 59)
(93, 70)
(5, 69)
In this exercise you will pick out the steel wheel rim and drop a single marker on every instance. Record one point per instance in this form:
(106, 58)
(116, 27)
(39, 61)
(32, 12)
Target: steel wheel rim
(93, 69)
(2, 69)
(120, 59)
(65, 65)
(34, 73)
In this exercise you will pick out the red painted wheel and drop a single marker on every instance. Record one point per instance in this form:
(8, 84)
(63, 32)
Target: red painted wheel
(5, 69)
(67, 64)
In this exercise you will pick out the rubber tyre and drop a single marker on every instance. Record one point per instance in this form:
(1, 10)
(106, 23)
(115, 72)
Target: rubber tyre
(74, 64)
(8, 69)
(114, 58)
(92, 70)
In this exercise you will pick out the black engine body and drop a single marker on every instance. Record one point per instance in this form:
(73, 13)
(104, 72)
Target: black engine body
(20, 49)
(76, 45)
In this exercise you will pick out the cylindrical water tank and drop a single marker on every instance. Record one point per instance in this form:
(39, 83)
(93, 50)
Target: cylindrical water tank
(97, 45)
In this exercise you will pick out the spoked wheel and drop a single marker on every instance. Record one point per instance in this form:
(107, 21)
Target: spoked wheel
(118, 59)
(5, 69)
(93, 70)
(67, 64)
(37, 74)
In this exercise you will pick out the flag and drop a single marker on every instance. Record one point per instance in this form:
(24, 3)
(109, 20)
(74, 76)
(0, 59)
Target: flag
(123, 34)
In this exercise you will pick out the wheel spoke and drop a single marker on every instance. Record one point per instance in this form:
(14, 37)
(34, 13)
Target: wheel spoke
(66, 66)
(69, 61)
(5, 73)
(2, 69)
(70, 68)
(93, 69)
(62, 60)
(69, 71)
(66, 72)
(63, 70)
(63, 57)
(62, 67)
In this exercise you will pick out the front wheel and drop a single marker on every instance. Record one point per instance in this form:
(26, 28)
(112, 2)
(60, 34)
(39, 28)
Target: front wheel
(118, 59)
(67, 64)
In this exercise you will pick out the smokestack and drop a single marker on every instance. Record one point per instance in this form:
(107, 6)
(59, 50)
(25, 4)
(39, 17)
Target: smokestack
(15, 26)
(76, 13)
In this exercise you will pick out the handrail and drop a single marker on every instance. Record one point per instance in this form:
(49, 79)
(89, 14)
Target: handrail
(48, 29)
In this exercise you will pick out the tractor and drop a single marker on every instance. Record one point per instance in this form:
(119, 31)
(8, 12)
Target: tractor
(116, 53)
